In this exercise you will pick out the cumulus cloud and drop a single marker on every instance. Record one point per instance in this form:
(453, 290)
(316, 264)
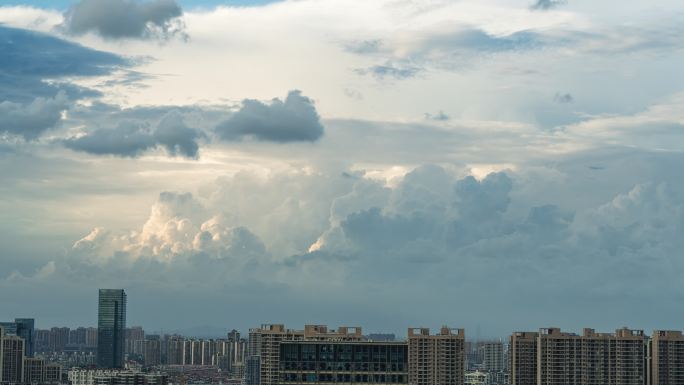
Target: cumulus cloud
(445, 231)
(32, 119)
(125, 19)
(178, 227)
(132, 138)
(293, 120)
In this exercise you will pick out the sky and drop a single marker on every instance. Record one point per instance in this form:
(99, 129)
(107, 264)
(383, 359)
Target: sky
(495, 165)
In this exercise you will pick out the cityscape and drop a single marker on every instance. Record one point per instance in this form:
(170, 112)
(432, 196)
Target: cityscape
(341, 192)
(271, 354)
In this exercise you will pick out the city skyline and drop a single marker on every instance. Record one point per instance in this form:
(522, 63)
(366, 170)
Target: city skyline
(495, 165)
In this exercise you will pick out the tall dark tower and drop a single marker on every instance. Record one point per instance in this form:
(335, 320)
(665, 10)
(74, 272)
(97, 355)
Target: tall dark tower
(111, 324)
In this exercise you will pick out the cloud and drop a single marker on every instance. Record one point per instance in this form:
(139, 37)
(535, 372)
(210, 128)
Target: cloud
(30, 58)
(563, 98)
(32, 119)
(125, 19)
(440, 116)
(132, 138)
(178, 227)
(292, 120)
(390, 70)
(543, 5)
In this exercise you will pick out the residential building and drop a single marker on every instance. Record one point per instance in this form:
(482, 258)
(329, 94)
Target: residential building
(494, 356)
(667, 357)
(436, 359)
(523, 358)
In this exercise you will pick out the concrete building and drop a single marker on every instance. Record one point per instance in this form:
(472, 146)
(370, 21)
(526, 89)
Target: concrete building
(553, 357)
(342, 360)
(436, 359)
(264, 343)
(59, 338)
(523, 358)
(115, 377)
(477, 378)
(667, 357)
(111, 323)
(152, 352)
(133, 341)
(12, 359)
(494, 360)
(34, 370)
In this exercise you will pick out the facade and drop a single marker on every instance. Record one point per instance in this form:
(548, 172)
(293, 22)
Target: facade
(553, 357)
(494, 356)
(667, 357)
(523, 358)
(152, 352)
(115, 377)
(59, 338)
(34, 371)
(12, 359)
(339, 361)
(111, 323)
(477, 378)
(24, 328)
(253, 370)
(436, 359)
(264, 342)
(133, 340)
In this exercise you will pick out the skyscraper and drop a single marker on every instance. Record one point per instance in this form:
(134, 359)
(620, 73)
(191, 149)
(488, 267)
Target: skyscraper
(26, 330)
(111, 323)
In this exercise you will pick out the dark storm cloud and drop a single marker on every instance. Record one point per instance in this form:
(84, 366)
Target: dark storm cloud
(131, 139)
(29, 58)
(125, 19)
(292, 120)
(543, 5)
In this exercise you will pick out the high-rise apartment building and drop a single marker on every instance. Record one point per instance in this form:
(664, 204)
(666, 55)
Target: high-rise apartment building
(152, 352)
(264, 342)
(59, 338)
(436, 359)
(133, 340)
(111, 324)
(494, 356)
(667, 357)
(174, 350)
(523, 358)
(12, 359)
(553, 357)
(558, 357)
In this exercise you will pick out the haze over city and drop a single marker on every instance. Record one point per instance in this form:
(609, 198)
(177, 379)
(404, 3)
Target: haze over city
(493, 165)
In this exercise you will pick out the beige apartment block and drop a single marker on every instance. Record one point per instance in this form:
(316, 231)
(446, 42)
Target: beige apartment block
(265, 343)
(552, 357)
(523, 358)
(436, 359)
(667, 358)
